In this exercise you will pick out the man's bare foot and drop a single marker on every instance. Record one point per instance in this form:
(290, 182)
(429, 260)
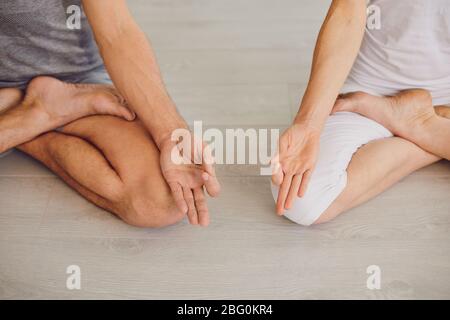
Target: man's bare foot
(62, 103)
(401, 114)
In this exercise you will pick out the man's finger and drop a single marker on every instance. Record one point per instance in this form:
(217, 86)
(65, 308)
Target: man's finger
(305, 182)
(207, 157)
(293, 191)
(197, 150)
(212, 185)
(192, 212)
(208, 162)
(282, 193)
(126, 113)
(202, 208)
(177, 193)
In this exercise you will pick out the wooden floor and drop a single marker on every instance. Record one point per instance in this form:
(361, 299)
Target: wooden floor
(229, 63)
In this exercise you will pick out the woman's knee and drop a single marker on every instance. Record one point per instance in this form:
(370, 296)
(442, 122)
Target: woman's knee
(344, 133)
(314, 207)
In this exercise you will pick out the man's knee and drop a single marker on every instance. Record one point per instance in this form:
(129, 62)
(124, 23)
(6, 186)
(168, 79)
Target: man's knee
(149, 209)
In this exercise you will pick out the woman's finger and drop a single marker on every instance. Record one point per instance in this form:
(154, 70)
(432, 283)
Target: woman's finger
(277, 172)
(293, 191)
(192, 212)
(305, 183)
(202, 208)
(282, 193)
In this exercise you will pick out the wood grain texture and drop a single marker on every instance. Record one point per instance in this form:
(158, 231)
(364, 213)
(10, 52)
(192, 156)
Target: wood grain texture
(231, 64)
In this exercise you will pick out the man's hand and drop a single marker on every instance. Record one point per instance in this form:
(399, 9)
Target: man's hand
(186, 180)
(295, 162)
(122, 43)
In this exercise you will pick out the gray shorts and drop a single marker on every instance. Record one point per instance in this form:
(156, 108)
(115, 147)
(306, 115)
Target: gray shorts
(98, 75)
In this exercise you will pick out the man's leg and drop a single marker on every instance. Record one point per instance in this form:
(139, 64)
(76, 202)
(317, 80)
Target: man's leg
(114, 164)
(128, 183)
(49, 104)
(9, 97)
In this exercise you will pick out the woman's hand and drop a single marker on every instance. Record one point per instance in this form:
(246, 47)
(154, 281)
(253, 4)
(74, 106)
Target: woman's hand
(336, 49)
(295, 162)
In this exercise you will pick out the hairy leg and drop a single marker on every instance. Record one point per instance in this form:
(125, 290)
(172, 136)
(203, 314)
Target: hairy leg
(76, 161)
(9, 97)
(49, 104)
(409, 115)
(114, 164)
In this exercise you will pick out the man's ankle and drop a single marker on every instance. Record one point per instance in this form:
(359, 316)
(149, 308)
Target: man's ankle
(37, 118)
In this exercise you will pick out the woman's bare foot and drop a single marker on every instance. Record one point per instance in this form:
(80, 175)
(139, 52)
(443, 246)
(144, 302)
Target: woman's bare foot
(443, 111)
(62, 103)
(400, 114)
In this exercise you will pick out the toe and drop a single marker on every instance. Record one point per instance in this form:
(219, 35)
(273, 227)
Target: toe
(443, 111)
(123, 111)
(105, 102)
(341, 104)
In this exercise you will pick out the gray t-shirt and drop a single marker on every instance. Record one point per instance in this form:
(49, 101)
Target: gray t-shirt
(35, 40)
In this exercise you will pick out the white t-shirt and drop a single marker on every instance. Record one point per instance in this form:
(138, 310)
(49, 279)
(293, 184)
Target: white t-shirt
(410, 49)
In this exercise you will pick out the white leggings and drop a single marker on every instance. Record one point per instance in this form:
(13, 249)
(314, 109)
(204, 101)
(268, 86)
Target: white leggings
(344, 133)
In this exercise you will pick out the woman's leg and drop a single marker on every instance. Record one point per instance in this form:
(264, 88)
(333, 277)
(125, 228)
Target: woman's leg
(380, 164)
(374, 168)
(409, 115)
(358, 159)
